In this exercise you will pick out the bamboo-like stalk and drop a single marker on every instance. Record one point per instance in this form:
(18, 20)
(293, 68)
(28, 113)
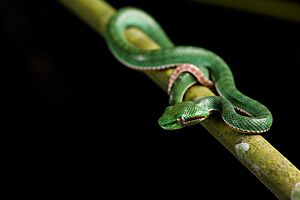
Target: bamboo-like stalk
(259, 156)
(288, 10)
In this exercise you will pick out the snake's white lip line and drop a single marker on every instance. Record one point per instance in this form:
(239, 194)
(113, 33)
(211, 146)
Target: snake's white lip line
(191, 120)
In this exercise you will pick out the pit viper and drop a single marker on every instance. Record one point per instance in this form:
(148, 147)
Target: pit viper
(191, 65)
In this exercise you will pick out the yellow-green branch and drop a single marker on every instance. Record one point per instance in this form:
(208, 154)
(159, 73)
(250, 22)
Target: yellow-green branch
(283, 9)
(259, 156)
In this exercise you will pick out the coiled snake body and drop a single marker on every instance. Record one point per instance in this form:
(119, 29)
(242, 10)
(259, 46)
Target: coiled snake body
(193, 64)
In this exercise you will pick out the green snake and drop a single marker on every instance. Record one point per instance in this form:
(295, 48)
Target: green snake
(192, 65)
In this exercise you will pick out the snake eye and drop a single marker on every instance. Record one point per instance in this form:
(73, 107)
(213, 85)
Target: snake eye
(180, 120)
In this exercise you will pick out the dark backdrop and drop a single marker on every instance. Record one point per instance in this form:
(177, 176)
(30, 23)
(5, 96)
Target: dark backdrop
(90, 122)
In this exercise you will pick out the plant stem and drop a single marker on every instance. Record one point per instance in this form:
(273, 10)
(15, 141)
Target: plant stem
(288, 10)
(259, 156)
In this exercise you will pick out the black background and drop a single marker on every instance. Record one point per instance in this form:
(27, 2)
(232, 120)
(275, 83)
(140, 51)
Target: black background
(91, 123)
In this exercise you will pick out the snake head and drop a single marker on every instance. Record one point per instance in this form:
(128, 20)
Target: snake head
(182, 114)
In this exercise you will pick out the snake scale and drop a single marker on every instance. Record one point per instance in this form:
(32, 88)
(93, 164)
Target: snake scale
(192, 65)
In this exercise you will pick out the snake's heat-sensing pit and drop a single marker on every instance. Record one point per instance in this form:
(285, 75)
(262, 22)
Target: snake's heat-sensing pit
(193, 65)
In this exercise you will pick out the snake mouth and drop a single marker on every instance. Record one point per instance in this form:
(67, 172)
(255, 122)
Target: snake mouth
(190, 121)
(180, 122)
